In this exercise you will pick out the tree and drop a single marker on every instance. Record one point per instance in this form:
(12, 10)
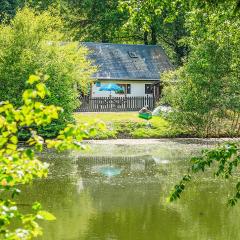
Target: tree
(119, 21)
(34, 42)
(206, 94)
(98, 21)
(9, 7)
(159, 22)
(163, 22)
(20, 165)
(207, 91)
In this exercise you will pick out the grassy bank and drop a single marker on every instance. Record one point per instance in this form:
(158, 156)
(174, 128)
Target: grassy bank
(128, 125)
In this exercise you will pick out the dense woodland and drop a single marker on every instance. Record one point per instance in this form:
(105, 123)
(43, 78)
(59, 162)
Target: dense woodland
(166, 23)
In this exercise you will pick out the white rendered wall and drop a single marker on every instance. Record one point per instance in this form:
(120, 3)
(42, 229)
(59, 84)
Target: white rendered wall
(137, 89)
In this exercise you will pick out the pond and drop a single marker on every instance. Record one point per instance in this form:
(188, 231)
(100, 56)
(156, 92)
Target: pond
(118, 191)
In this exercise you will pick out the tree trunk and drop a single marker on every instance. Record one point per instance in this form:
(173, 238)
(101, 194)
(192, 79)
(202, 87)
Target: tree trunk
(145, 38)
(181, 52)
(153, 36)
(104, 37)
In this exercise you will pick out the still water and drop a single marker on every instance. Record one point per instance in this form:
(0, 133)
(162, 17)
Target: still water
(118, 192)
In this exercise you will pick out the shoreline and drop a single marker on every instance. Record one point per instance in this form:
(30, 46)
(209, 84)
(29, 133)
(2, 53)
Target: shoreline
(142, 141)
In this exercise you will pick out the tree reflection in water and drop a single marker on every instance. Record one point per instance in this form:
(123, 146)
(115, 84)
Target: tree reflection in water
(129, 203)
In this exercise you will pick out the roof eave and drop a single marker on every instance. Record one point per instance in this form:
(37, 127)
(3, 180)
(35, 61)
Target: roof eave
(126, 79)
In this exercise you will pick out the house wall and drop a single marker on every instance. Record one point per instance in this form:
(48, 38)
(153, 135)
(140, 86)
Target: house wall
(137, 88)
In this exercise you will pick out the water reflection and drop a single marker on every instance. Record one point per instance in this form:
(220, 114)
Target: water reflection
(120, 166)
(96, 196)
(110, 171)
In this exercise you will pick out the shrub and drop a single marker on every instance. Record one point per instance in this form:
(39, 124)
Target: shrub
(33, 42)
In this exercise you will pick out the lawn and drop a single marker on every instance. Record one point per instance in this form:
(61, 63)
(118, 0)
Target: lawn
(127, 125)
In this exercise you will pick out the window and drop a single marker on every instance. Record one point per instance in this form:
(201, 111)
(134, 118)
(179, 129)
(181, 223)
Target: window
(126, 88)
(148, 89)
(132, 54)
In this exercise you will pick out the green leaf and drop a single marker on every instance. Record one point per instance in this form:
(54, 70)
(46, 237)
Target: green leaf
(42, 90)
(46, 216)
(14, 139)
(37, 206)
(30, 153)
(32, 79)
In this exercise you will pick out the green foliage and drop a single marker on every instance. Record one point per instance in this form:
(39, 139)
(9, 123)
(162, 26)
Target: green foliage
(120, 21)
(225, 159)
(94, 21)
(86, 20)
(148, 22)
(20, 165)
(205, 93)
(158, 22)
(33, 42)
(8, 8)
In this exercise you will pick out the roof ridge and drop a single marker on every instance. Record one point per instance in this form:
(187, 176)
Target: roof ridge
(123, 44)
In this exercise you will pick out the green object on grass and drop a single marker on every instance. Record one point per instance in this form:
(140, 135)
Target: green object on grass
(146, 116)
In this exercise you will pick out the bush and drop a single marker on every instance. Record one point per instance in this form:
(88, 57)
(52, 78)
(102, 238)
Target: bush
(33, 42)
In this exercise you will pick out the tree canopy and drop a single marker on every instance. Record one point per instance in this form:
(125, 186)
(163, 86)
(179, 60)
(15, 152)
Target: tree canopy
(206, 95)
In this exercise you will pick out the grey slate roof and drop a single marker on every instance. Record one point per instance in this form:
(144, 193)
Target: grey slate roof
(128, 62)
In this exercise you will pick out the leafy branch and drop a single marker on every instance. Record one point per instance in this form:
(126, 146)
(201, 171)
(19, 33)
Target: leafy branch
(227, 159)
(20, 165)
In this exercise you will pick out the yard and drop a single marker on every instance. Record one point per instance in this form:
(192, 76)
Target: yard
(128, 125)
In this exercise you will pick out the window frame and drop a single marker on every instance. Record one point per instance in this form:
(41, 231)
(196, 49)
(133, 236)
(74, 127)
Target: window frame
(147, 87)
(127, 88)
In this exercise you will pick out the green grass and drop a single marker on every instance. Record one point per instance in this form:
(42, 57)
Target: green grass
(127, 125)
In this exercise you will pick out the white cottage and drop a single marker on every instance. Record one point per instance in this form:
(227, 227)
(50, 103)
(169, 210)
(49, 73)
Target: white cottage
(136, 68)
